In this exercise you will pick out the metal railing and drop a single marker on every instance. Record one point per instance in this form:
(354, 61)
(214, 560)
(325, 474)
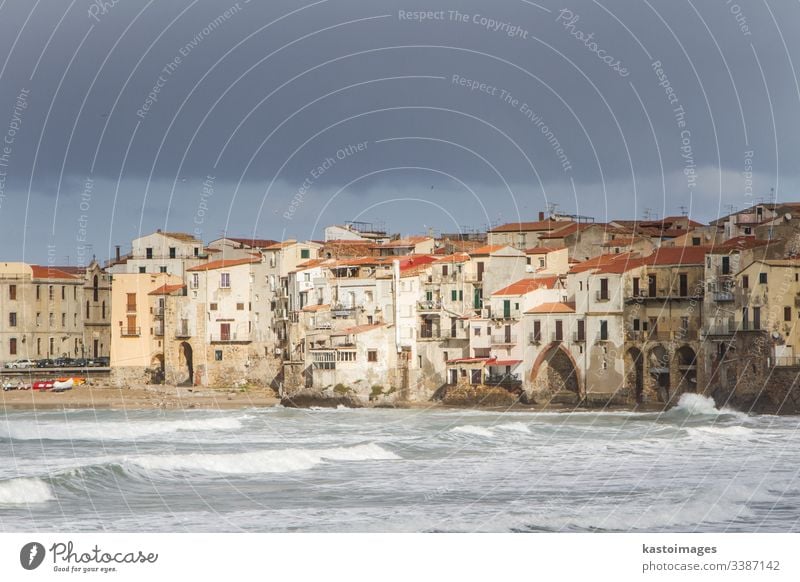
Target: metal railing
(216, 338)
(430, 305)
(126, 331)
(504, 339)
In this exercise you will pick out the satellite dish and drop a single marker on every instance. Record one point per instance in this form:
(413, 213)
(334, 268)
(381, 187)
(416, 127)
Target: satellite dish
(787, 217)
(776, 335)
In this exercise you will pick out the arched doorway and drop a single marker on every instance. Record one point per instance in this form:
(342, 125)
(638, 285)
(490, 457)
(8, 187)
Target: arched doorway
(658, 368)
(687, 366)
(185, 357)
(555, 376)
(634, 366)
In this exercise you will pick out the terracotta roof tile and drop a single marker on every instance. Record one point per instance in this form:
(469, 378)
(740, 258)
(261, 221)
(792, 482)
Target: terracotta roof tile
(546, 308)
(224, 263)
(527, 285)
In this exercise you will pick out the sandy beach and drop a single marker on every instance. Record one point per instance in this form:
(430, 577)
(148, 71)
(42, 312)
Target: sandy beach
(139, 397)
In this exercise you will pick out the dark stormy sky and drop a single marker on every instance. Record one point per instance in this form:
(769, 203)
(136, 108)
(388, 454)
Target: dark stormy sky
(574, 110)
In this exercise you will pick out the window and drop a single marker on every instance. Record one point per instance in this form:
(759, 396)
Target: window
(476, 331)
(444, 270)
(581, 330)
(537, 331)
(651, 285)
(104, 310)
(446, 356)
(636, 286)
(726, 265)
(37, 292)
(148, 252)
(51, 295)
(756, 318)
(51, 319)
(196, 251)
(162, 269)
(52, 350)
(372, 355)
(454, 295)
(762, 278)
(684, 323)
(142, 269)
(745, 282)
(603, 330)
(636, 325)
(240, 307)
(12, 346)
(603, 289)
(461, 295)
(212, 306)
(12, 319)
(195, 280)
(559, 330)
(95, 288)
(787, 314)
(131, 302)
(63, 293)
(695, 241)
(225, 280)
(38, 319)
(683, 284)
(12, 292)
(63, 321)
(172, 252)
(218, 355)
(38, 346)
(305, 254)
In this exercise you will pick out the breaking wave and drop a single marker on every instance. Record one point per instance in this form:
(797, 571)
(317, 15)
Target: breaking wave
(698, 405)
(24, 491)
(489, 432)
(269, 461)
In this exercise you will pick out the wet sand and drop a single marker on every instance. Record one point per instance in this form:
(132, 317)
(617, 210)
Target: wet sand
(138, 398)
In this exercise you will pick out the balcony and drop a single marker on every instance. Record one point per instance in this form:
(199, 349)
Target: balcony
(224, 338)
(502, 380)
(601, 297)
(787, 361)
(504, 340)
(534, 339)
(557, 337)
(722, 296)
(158, 329)
(342, 311)
(158, 312)
(126, 331)
(182, 331)
(430, 305)
(578, 338)
(130, 308)
(512, 314)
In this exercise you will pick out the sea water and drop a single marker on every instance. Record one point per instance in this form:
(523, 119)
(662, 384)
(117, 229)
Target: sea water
(693, 468)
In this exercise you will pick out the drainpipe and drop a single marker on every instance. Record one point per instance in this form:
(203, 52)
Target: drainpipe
(395, 297)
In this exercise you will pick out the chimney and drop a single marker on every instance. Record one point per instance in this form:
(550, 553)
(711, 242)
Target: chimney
(541, 216)
(117, 251)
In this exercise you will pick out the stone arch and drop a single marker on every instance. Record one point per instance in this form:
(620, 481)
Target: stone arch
(634, 377)
(185, 358)
(658, 381)
(687, 369)
(555, 371)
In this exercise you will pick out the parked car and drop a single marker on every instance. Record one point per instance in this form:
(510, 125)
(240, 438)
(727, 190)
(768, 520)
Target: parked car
(81, 363)
(21, 364)
(101, 362)
(64, 362)
(45, 363)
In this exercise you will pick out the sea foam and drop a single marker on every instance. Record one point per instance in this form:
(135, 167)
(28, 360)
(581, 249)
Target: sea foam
(24, 491)
(123, 430)
(265, 461)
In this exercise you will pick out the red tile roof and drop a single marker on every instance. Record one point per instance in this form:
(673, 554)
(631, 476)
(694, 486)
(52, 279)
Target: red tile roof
(524, 286)
(543, 250)
(224, 263)
(39, 272)
(167, 289)
(358, 329)
(256, 243)
(557, 307)
(487, 250)
(535, 226)
(314, 308)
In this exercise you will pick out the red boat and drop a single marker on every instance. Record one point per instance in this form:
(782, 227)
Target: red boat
(43, 385)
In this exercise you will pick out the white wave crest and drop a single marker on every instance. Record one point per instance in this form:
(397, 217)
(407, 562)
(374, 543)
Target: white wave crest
(473, 430)
(514, 427)
(24, 491)
(123, 430)
(269, 461)
(699, 405)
